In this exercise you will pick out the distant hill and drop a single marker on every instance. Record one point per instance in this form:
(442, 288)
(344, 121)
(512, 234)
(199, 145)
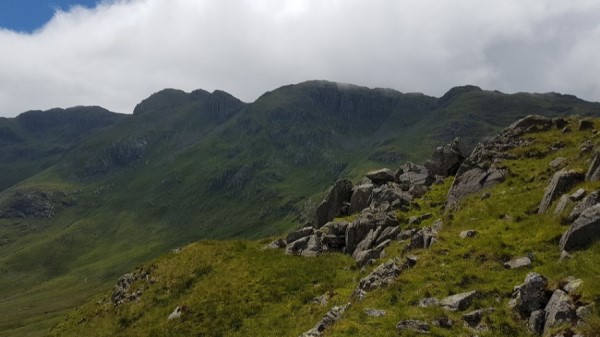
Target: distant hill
(87, 195)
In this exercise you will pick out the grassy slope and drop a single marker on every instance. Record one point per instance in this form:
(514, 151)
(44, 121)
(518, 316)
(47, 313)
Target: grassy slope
(233, 288)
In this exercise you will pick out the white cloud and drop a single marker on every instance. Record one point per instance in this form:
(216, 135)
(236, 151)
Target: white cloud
(120, 52)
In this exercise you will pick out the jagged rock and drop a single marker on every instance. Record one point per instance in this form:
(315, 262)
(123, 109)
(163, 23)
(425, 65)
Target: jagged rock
(386, 273)
(382, 176)
(414, 325)
(313, 246)
(584, 231)
(587, 202)
(593, 172)
(417, 191)
(531, 123)
(535, 324)
(410, 174)
(407, 234)
(302, 232)
(362, 257)
(374, 312)
(175, 314)
(279, 243)
(558, 163)
(428, 302)
(388, 233)
(123, 292)
(446, 160)
(422, 239)
(459, 301)
(520, 262)
(531, 295)
(335, 203)
(296, 247)
(578, 195)
(367, 220)
(417, 219)
(336, 227)
(328, 320)
(473, 318)
(335, 237)
(361, 197)
(391, 193)
(562, 204)
(560, 183)
(560, 309)
(586, 124)
(468, 233)
(572, 286)
(29, 204)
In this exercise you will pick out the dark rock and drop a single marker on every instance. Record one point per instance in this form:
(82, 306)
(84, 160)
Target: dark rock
(468, 233)
(328, 320)
(333, 204)
(367, 221)
(417, 219)
(335, 228)
(535, 324)
(295, 235)
(530, 296)
(560, 183)
(361, 197)
(593, 172)
(560, 309)
(586, 124)
(586, 147)
(443, 322)
(587, 202)
(414, 325)
(578, 195)
(446, 160)
(584, 231)
(459, 301)
(385, 274)
(29, 204)
(390, 193)
(559, 123)
(422, 239)
(382, 176)
(411, 174)
(296, 247)
(520, 262)
(374, 312)
(473, 318)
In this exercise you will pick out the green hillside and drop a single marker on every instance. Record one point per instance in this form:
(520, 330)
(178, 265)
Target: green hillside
(239, 288)
(122, 189)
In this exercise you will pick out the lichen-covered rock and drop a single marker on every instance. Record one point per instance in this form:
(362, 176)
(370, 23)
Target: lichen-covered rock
(328, 320)
(335, 204)
(584, 231)
(535, 324)
(374, 312)
(367, 221)
(411, 174)
(414, 325)
(392, 194)
(560, 183)
(587, 202)
(386, 273)
(459, 301)
(560, 309)
(446, 160)
(531, 295)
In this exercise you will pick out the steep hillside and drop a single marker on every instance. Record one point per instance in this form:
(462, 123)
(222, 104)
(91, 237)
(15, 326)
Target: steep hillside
(199, 165)
(444, 255)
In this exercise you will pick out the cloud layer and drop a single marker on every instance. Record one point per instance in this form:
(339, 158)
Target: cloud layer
(122, 51)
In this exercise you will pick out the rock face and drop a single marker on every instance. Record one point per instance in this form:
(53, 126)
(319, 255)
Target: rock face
(328, 320)
(459, 301)
(531, 295)
(29, 204)
(386, 273)
(361, 197)
(593, 172)
(414, 325)
(446, 160)
(411, 174)
(560, 183)
(391, 195)
(559, 309)
(381, 176)
(583, 232)
(587, 202)
(336, 203)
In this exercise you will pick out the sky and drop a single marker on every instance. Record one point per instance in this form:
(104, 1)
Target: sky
(114, 53)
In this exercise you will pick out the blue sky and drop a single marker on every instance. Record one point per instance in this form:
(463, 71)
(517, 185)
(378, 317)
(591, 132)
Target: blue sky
(29, 15)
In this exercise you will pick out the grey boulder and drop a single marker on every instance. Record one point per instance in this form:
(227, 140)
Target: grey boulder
(335, 204)
(459, 301)
(584, 231)
(560, 183)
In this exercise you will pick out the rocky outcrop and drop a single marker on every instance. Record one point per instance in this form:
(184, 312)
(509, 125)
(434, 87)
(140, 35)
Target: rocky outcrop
(593, 172)
(531, 295)
(385, 274)
(361, 197)
(336, 203)
(124, 291)
(446, 160)
(584, 231)
(328, 320)
(381, 176)
(34, 204)
(368, 220)
(414, 325)
(560, 309)
(390, 196)
(560, 183)
(411, 174)
(587, 202)
(459, 301)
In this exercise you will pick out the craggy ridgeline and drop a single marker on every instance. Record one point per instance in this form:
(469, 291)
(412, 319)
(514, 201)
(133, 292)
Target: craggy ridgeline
(506, 243)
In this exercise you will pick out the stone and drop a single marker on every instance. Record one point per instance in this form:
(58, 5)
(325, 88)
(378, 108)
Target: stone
(578, 195)
(367, 221)
(559, 122)
(328, 320)
(587, 202)
(446, 160)
(364, 256)
(386, 273)
(521, 262)
(391, 193)
(295, 235)
(459, 301)
(414, 325)
(277, 244)
(560, 183)
(428, 302)
(417, 191)
(572, 286)
(586, 124)
(422, 239)
(584, 231)
(558, 163)
(381, 176)
(411, 174)
(388, 233)
(473, 318)
(584, 312)
(468, 233)
(593, 172)
(361, 197)
(336, 228)
(417, 219)
(535, 325)
(472, 178)
(566, 129)
(334, 204)
(443, 322)
(296, 247)
(175, 314)
(406, 234)
(374, 312)
(313, 246)
(530, 296)
(562, 204)
(559, 309)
